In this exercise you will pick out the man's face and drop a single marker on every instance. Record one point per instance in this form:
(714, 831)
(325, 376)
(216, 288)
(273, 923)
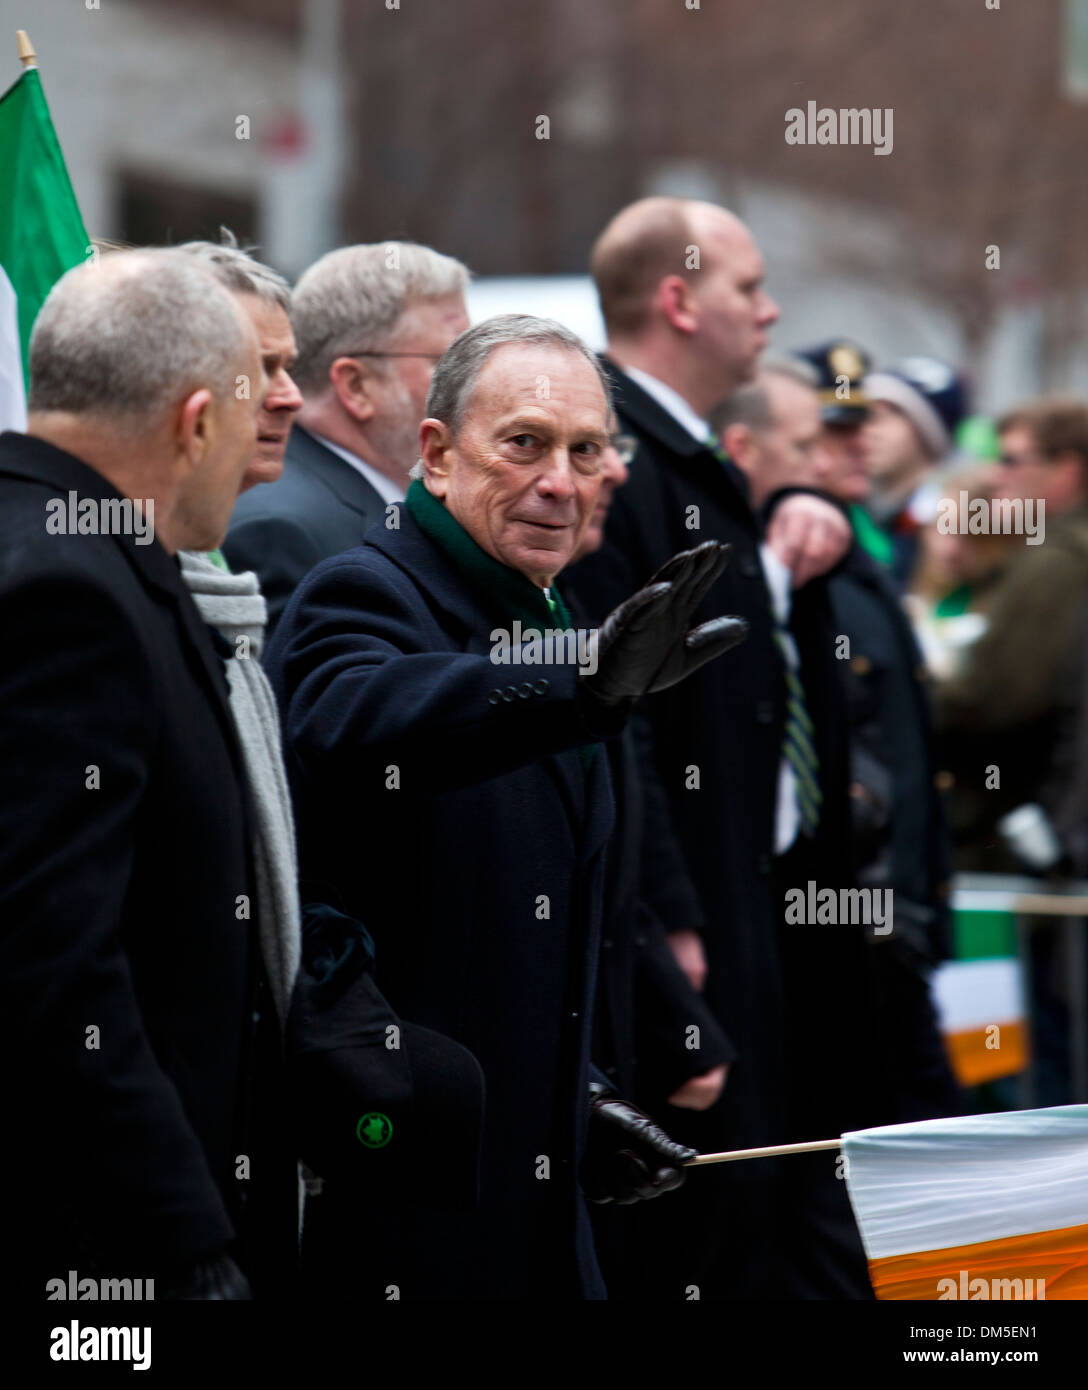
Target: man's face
(787, 453)
(523, 473)
(614, 473)
(228, 439)
(282, 398)
(735, 312)
(890, 442)
(840, 466)
(1027, 473)
(399, 385)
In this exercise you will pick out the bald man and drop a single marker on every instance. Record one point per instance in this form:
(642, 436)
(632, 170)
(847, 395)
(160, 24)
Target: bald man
(688, 317)
(130, 978)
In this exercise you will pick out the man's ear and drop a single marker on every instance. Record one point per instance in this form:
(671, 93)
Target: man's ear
(193, 427)
(736, 441)
(435, 442)
(672, 299)
(352, 385)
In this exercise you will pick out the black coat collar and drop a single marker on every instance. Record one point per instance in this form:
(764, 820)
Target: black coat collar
(37, 461)
(347, 484)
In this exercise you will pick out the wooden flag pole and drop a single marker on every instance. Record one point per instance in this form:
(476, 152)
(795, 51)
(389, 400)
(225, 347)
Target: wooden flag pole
(27, 56)
(772, 1152)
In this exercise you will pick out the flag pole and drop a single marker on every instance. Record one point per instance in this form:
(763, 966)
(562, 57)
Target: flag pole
(773, 1152)
(27, 56)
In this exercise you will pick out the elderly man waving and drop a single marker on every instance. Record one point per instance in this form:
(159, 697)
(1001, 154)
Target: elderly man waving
(456, 805)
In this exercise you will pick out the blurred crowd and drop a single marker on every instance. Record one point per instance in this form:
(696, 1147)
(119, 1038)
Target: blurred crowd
(366, 935)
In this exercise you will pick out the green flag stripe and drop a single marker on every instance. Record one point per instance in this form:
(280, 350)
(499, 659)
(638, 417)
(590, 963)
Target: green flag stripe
(41, 230)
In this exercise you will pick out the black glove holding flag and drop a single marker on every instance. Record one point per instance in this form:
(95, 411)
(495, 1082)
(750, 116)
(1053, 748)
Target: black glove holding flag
(648, 644)
(628, 1158)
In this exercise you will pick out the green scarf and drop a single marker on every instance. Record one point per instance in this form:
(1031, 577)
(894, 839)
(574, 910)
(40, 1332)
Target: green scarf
(872, 539)
(492, 581)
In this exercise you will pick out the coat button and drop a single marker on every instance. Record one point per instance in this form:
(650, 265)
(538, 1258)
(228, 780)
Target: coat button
(494, 697)
(541, 687)
(606, 944)
(510, 694)
(763, 864)
(525, 691)
(765, 712)
(861, 665)
(944, 781)
(748, 566)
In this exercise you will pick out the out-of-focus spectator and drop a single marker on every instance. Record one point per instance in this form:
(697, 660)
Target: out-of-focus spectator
(955, 578)
(371, 322)
(1007, 710)
(915, 409)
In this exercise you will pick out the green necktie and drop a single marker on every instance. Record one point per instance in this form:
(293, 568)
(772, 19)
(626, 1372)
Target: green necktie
(797, 745)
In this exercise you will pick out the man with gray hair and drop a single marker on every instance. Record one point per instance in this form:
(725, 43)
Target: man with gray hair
(128, 961)
(371, 322)
(433, 711)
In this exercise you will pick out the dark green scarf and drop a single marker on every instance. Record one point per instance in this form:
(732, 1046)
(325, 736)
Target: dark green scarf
(494, 582)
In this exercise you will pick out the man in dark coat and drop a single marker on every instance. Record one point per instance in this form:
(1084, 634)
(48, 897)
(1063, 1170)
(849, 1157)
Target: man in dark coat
(131, 976)
(684, 331)
(371, 322)
(775, 430)
(461, 810)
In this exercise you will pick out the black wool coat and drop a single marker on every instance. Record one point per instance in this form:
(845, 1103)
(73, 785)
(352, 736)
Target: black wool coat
(442, 800)
(716, 740)
(127, 974)
(319, 507)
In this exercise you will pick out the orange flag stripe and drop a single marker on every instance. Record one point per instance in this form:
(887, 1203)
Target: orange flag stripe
(1060, 1258)
(973, 1062)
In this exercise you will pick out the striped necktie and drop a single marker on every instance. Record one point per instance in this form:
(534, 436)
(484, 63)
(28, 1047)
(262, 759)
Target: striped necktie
(798, 748)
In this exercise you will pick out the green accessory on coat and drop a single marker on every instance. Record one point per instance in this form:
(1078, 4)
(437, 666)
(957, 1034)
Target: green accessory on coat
(872, 539)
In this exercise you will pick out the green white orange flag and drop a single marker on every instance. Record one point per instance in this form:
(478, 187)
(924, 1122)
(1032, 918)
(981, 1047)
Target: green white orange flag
(41, 231)
(975, 1207)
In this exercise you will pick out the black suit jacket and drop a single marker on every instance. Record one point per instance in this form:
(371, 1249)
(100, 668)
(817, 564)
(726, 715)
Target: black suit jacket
(445, 801)
(281, 530)
(125, 969)
(716, 740)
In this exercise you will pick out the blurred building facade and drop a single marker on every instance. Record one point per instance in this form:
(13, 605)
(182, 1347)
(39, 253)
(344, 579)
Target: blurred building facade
(507, 134)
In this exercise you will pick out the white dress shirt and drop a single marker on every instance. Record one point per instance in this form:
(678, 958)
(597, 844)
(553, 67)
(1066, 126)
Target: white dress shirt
(386, 488)
(672, 401)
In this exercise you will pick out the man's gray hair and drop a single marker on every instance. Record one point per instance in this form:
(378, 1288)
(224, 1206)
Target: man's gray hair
(458, 368)
(237, 271)
(751, 405)
(351, 300)
(133, 334)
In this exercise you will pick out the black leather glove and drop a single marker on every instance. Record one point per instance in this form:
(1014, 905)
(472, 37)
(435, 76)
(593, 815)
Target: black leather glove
(645, 644)
(214, 1280)
(628, 1158)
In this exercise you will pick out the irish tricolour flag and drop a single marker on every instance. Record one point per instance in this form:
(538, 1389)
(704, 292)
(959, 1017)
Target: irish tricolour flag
(977, 1207)
(41, 231)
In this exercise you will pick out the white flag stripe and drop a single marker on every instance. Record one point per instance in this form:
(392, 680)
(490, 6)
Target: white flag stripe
(973, 1178)
(12, 390)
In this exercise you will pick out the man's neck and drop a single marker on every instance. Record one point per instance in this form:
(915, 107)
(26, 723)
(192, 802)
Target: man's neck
(889, 498)
(355, 441)
(670, 368)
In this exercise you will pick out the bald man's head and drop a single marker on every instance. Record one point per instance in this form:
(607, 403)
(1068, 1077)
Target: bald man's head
(132, 334)
(681, 291)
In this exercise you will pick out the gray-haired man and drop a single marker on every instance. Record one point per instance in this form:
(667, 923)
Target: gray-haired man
(423, 717)
(127, 957)
(371, 322)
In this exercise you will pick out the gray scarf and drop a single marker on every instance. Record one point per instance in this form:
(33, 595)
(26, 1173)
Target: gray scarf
(233, 603)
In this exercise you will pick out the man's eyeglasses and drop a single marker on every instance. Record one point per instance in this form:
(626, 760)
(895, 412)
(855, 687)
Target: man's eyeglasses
(626, 445)
(430, 356)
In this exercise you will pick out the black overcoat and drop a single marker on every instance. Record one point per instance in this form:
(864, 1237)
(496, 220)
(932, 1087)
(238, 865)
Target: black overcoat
(442, 800)
(126, 966)
(717, 740)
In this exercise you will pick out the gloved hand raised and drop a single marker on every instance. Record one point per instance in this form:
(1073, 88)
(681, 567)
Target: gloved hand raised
(645, 644)
(628, 1158)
